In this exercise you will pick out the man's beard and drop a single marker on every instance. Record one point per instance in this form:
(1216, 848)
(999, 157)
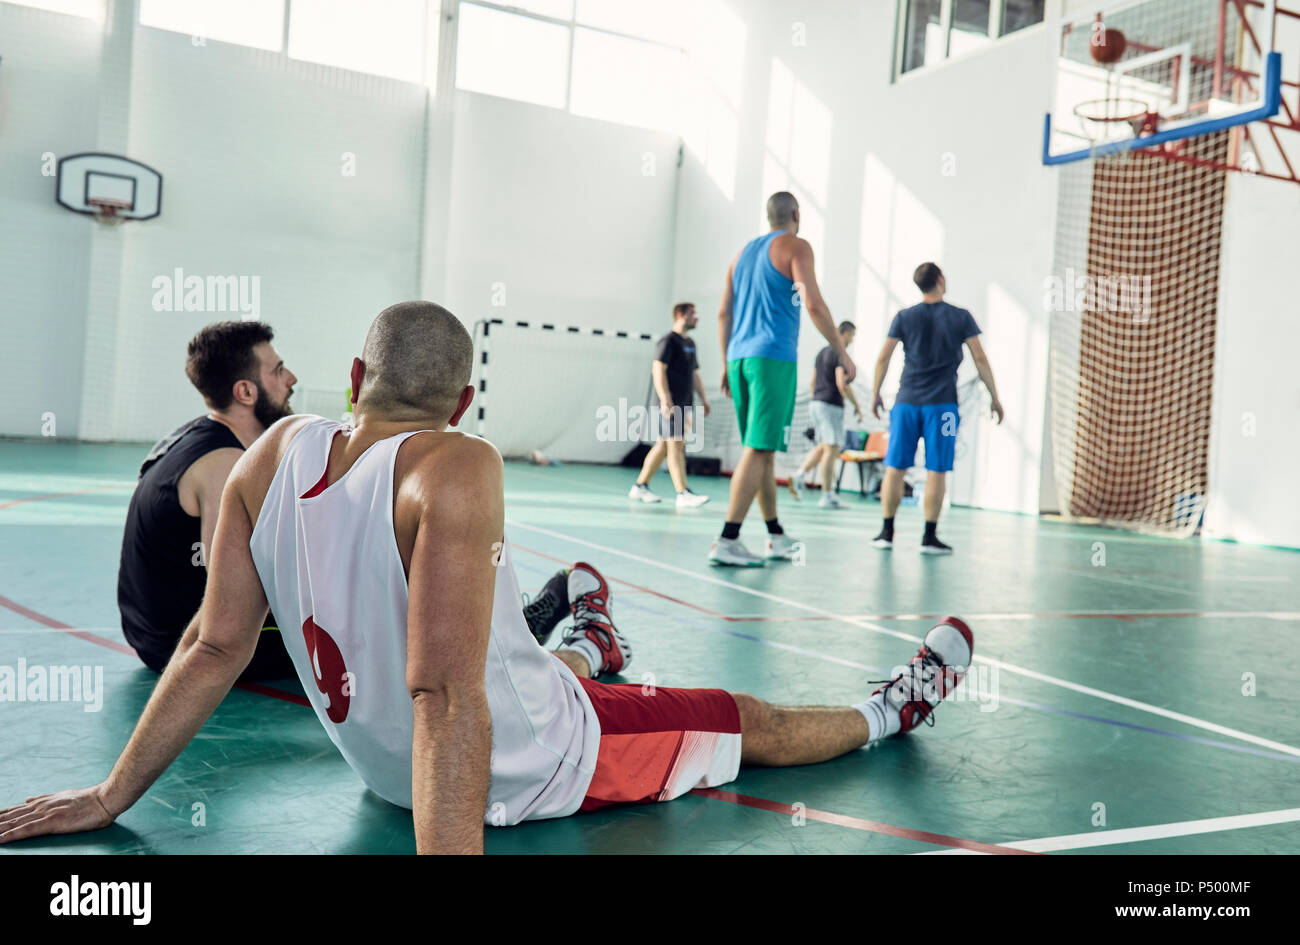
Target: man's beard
(268, 412)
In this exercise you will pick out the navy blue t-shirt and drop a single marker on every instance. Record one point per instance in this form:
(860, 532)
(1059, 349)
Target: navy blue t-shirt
(932, 334)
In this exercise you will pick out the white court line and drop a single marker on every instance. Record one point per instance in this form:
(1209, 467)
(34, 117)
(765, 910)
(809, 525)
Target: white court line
(1084, 614)
(877, 628)
(1105, 838)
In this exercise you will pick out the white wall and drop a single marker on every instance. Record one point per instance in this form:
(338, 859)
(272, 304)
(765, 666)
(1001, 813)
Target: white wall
(48, 105)
(1255, 437)
(562, 218)
(451, 195)
(942, 164)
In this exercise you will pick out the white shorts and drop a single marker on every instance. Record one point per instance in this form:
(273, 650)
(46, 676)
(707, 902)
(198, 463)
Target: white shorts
(828, 422)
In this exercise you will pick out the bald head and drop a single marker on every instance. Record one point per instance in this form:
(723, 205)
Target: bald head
(781, 208)
(417, 358)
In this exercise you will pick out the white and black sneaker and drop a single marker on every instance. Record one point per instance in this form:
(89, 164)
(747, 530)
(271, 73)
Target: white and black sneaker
(642, 493)
(729, 552)
(783, 546)
(884, 541)
(686, 499)
(933, 546)
(548, 607)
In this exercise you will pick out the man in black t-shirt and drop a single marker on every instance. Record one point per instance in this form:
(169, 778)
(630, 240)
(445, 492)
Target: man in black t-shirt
(676, 375)
(173, 512)
(826, 410)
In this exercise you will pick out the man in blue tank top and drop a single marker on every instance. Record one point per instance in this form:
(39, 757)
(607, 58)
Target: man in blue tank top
(932, 333)
(768, 284)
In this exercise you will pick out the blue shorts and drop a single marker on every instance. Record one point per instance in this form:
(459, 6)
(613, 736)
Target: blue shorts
(935, 423)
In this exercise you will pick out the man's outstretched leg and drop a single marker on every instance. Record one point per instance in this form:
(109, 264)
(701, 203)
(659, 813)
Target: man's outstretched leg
(657, 744)
(799, 735)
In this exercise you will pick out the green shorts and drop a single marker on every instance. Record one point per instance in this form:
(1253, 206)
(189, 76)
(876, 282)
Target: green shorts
(763, 391)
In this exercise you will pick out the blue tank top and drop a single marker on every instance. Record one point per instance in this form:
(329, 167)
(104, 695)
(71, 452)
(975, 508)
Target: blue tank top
(765, 308)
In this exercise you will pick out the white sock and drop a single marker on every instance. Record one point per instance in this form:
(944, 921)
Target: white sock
(882, 717)
(590, 652)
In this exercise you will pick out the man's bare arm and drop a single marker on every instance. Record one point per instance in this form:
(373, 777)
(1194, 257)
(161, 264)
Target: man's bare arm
(882, 368)
(846, 391)
(211, 473)
(699, 389)
(449, 617)
(212, 653)
(803, 274)
(986, 373)
(724, 327)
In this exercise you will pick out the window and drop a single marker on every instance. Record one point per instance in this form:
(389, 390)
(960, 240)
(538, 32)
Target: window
(258, 23)
(512, 56)
(93, 9)
(923, 39)
(1017, 14)
(970, 26)
(933, 30)
(625, 80)
(607, 59)
(379, 38)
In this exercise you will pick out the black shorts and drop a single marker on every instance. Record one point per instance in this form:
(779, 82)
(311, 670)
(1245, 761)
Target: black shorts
(673, 426)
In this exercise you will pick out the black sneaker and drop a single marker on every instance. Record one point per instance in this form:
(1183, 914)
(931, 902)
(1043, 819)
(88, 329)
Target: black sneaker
(883, 541)
(551, 605)
(933, 546)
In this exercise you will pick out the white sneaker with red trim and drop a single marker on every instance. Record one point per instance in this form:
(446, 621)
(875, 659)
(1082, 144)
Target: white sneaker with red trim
(594, 634)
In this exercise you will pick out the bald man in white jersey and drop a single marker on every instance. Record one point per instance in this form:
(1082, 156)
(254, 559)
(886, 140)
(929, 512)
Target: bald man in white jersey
(383, 546)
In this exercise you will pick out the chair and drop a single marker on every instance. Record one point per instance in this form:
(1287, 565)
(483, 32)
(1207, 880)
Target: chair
(866, 452)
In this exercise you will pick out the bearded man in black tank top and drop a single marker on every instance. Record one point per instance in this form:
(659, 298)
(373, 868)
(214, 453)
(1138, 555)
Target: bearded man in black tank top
(173, 513)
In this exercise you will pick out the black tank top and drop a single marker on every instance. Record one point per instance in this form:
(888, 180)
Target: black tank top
(160, 579)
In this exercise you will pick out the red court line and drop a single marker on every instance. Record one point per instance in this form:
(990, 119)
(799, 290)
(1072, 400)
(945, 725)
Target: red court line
(129, 651)
(857, 823)
(57, 625)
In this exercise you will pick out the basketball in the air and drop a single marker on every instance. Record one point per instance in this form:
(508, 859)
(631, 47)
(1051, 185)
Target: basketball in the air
(1106, 45)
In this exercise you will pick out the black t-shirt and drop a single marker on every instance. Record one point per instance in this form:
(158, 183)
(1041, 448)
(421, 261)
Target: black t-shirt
(932, 334)
(824, 387)
(159, 583)
(677, 352)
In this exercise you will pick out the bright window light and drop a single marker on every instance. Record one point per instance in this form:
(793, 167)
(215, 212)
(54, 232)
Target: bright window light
(512, 56)
(664, 21)
(557, 9)
(93, 9)
(257, 23)
(626, 80)
(380, 38)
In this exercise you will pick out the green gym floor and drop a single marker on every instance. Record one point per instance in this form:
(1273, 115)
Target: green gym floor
(1147, 703)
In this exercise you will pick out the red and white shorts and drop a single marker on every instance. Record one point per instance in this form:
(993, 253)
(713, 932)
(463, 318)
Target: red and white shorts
(657, 744)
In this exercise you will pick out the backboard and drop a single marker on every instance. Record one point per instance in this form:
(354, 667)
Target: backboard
(109, 187)
(1151, 73)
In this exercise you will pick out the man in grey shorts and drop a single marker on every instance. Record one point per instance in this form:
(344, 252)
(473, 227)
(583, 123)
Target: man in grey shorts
(829, 388)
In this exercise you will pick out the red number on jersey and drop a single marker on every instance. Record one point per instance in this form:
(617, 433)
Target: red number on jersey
(328, 668)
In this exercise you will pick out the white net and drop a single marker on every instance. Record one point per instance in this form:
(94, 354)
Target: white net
(573, 395)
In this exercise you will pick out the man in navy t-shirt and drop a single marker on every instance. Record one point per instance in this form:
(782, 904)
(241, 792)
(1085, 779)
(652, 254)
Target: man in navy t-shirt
(932, 334)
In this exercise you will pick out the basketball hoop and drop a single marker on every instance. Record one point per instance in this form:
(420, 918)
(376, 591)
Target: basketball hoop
(106, 210)
(1099, 115)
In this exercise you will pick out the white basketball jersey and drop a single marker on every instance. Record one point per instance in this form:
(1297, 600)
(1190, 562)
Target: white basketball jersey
(329, 563)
